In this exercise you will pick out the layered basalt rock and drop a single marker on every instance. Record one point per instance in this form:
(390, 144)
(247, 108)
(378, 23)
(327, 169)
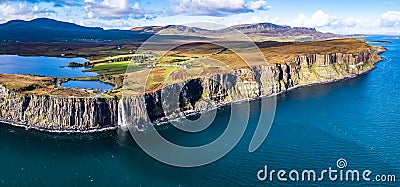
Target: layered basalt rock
(197, 95)
(58, 113)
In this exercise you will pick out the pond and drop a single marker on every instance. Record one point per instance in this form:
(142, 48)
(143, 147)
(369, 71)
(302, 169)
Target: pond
(88, 85)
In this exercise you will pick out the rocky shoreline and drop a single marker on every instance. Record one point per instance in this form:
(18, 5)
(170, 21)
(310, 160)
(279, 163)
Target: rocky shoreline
(83, 115)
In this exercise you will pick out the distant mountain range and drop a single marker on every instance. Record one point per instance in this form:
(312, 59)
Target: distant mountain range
(269, 29)
(258, 29)
(48, 30)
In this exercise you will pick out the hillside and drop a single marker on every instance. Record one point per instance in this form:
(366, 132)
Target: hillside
(48, 30)
(252, 30)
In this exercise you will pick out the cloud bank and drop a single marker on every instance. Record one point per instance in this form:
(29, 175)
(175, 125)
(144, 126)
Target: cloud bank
(110, 9)
(22, 11)
(128, 13)
(322, 19)
(390, 19)
(217, 7)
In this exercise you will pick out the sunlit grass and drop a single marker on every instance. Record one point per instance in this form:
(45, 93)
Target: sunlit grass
(114, 68)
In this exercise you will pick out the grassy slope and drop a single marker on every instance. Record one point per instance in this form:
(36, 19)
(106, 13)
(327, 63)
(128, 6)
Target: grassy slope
(211, 62)
(110, 68)
(161, 76)
(90, 51)
(286, 53)
(37, 85)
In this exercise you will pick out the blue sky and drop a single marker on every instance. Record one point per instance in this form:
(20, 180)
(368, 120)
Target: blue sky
(338, 16)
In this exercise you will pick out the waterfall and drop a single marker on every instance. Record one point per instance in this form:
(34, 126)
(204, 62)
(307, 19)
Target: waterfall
(57, 81)
(132, 114)
(122, 114)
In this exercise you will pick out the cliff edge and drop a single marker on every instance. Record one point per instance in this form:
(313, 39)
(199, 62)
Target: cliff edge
(63, 113)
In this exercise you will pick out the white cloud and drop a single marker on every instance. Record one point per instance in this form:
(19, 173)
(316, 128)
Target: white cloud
(259, 5)
(218, 7)
(22, 11)
(322, 19)
(390, 19)
(112, 9)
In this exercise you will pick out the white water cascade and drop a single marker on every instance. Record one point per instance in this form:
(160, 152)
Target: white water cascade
(122, 122)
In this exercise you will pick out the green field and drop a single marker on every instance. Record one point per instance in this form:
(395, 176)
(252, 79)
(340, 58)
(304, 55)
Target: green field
(114, 68)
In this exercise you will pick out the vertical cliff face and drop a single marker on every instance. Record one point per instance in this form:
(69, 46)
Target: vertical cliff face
(83, 114)
(58, 113)
(206, 93)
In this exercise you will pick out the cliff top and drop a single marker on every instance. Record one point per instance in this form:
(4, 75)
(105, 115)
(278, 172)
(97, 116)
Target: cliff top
(37, 85)
(165, 74)
(172, 67)
(287, 52)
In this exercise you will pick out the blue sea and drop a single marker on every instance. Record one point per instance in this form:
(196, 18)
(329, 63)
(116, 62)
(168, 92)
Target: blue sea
(357, 120)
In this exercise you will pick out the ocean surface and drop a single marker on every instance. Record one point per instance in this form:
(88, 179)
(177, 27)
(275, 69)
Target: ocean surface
(357, 120)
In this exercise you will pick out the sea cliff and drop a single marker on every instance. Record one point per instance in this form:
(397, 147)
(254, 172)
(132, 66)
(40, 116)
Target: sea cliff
(56, 113)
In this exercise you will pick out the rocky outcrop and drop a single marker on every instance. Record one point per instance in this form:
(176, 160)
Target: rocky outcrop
(84, 114)
(202, 94)
(58, 113)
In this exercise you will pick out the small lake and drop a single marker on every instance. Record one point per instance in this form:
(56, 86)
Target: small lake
(88, 85)
(43, 66)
